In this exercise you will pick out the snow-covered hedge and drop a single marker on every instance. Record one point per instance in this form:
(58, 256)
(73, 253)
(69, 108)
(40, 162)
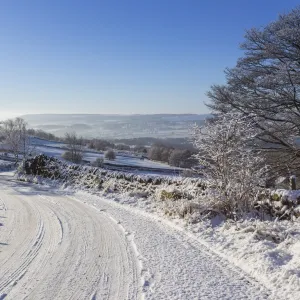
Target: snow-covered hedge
(114, 181)
(177, 196)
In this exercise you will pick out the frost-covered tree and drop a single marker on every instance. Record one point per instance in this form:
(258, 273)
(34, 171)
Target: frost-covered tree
(110, 155)
(233, 171)
(160, 152)
(75, 146)
(265, 86)
(15, 135)
(98, 163)
(180, 158)
(75, 158)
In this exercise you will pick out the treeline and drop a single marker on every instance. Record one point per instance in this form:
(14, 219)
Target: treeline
(95, 144)
(104, 145)
(178, 143)
(174, 157)
(177, 157)
(140, 144)
(43, 135)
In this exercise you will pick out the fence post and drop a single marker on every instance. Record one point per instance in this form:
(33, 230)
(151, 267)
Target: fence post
(293, 182)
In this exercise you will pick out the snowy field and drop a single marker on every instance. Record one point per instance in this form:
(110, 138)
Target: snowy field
(56, 150)
(5, 165)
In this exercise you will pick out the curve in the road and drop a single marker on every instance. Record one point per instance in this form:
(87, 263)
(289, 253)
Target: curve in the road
(59, 246)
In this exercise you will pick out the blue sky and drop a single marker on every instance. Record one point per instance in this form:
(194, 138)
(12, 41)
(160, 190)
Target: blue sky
(122, 57)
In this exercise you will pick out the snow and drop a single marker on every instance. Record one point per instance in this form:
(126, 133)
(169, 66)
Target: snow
(57, 244)
(56, 149)
(176, 266)
(55, 248)
(38, 142)
(266, 251)
(5, 165)
(50, 151)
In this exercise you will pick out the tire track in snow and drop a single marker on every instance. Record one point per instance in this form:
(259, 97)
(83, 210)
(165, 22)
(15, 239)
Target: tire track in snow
(27, 254)
(58, 248)
(128, 243)
(139, 259)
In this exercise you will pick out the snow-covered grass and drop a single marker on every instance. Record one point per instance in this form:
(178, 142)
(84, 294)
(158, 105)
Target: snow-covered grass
(269, 251)
(35, 141)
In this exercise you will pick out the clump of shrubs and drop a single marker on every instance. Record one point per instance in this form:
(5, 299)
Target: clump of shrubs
(98, 163)
(75, 158)
(110, 155)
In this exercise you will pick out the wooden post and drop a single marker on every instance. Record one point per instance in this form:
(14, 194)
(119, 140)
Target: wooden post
(293, 182)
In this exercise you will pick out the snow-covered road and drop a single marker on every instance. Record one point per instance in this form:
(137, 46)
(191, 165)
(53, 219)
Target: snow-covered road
(55, 245)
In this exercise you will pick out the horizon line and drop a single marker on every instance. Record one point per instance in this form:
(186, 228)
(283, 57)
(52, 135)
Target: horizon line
(96, 114)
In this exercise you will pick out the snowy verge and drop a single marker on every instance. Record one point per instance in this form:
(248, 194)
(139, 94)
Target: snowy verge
(268, 251)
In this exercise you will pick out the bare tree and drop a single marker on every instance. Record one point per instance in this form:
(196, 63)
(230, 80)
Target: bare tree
(181, 158)
(16, 137)
(160, 152)
(265, 86)
(232, 170)
(75, 145)
(98, 162)
(110, 155)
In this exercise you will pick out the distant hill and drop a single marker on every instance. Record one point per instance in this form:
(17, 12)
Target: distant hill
(117, 126)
